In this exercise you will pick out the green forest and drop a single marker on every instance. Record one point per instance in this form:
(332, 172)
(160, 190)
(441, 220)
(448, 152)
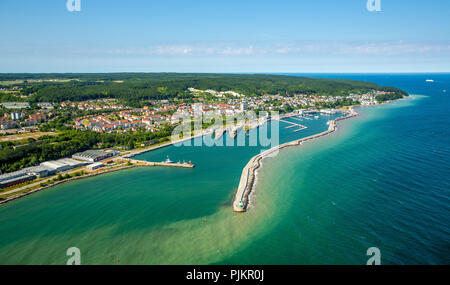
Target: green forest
(133, 88)
(14, 157)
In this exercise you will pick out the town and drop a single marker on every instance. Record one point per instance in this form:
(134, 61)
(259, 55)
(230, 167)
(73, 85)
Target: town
(43, 143)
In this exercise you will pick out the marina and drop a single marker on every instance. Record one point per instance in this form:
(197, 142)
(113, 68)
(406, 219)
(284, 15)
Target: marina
(248, 176)
(293, 125)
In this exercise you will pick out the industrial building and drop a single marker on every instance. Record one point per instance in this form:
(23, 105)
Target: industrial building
(42, 170)
(92, 155)
(61, 165)
(96, 165)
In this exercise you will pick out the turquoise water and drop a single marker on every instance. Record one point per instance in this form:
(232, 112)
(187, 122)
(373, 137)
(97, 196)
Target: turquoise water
(381, 180)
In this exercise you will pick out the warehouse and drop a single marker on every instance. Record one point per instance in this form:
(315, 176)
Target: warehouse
(42, 170)
(61, 165)
(92, 155)
(96, 165)
(14, 178)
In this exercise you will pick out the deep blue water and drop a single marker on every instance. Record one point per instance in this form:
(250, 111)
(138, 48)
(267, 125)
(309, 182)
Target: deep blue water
(382, 180)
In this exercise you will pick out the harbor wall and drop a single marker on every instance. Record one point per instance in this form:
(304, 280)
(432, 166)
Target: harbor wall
(248, 176)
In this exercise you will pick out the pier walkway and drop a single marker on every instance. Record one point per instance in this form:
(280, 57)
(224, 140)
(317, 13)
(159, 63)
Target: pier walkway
(150, 163)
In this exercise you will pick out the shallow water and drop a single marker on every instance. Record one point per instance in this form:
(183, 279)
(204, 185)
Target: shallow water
(381, 180)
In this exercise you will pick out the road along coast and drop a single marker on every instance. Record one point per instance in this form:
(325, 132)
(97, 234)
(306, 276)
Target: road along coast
(248, 176)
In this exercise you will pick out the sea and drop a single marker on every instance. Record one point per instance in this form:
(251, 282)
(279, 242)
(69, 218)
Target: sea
(381, 180)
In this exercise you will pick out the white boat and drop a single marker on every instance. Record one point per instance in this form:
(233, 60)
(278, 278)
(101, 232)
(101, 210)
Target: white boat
(429, 80)
(168, 160)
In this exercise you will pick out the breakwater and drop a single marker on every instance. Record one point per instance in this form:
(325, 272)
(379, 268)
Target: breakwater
(248, 176)
(150, 163)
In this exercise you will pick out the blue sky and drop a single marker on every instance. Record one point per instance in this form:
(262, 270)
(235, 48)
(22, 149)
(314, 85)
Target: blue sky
(224, 36)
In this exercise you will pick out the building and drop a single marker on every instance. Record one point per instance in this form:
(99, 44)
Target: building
(92, 155)
(96, 165)
(42, 170)
(61, 165)
(15, 116)
(7, 124)
(151, 142)
(15, 105)
(6, 182)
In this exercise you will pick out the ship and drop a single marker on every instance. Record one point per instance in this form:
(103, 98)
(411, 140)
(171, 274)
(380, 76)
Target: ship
(168, 160)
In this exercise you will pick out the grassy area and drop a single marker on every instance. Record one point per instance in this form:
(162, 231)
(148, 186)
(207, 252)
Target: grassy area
(24, 136)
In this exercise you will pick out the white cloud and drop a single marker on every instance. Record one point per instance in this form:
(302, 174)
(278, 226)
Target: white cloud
(307, 48)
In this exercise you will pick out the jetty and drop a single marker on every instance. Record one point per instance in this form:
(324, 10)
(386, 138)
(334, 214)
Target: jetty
(292, 125)
(248, 175)
(137, 162)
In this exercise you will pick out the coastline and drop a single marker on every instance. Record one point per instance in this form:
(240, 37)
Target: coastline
(248, 177)
(126, 156)
(247, 182)
(23, 194)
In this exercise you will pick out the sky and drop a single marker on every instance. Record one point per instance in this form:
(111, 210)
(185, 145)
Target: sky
(257, 36)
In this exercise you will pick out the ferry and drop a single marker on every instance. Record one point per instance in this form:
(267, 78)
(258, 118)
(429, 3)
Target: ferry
(429, 80)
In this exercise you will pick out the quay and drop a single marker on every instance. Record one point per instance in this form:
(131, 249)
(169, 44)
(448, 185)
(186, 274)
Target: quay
(137, 162)
(248, 175)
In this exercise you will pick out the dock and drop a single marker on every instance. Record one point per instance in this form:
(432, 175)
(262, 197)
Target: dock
(292, 125)
(248, 175)
(137, 162)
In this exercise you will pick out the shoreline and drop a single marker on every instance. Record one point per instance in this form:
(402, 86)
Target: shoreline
(247, 182)
(41, 188)
(126, 156)
(256, 159)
